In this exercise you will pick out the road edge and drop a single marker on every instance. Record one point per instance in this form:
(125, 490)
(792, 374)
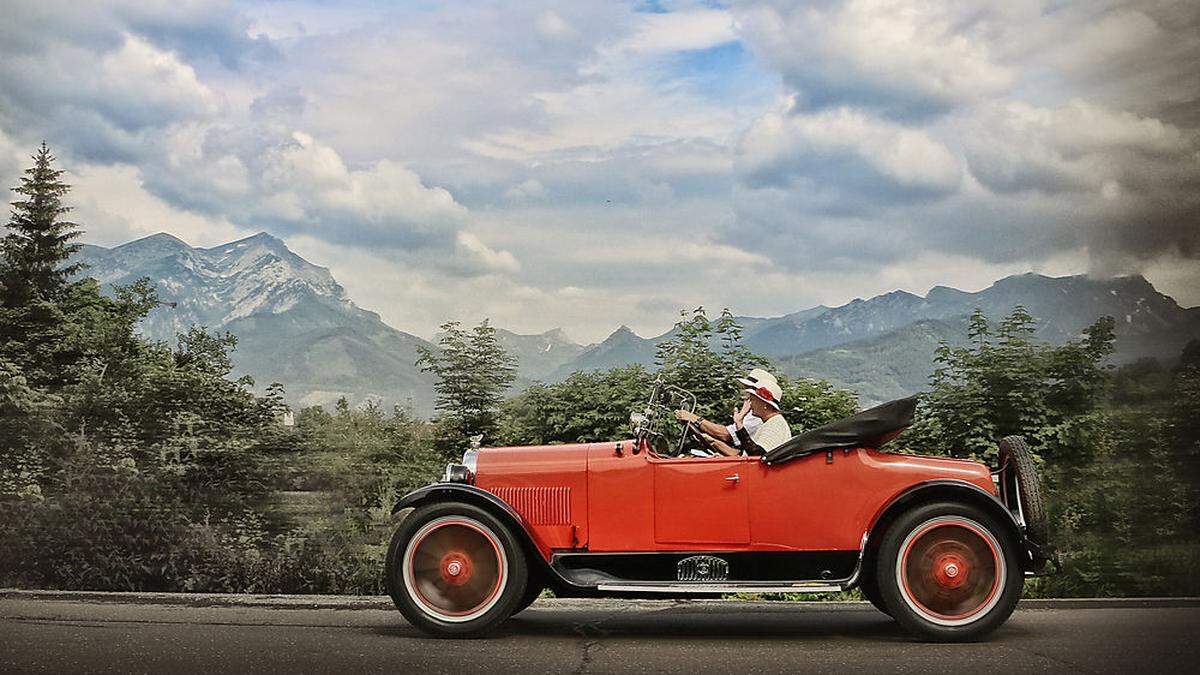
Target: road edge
(350, 602)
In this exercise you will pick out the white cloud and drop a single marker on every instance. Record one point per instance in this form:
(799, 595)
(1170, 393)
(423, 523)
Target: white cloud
(552, 26)
(156, 80)
(1077, 146)
(113, 207)
(905, 57)
(530, 188)
(479, 255)
(841, 148)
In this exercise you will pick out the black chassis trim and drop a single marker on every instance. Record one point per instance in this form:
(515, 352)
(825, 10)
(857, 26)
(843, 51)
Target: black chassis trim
(1034, 557)
(763, 567)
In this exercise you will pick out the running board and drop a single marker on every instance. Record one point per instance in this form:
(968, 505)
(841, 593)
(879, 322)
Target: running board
(803, 587)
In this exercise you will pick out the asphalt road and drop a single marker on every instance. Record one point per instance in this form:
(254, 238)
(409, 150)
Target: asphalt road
(63, 633)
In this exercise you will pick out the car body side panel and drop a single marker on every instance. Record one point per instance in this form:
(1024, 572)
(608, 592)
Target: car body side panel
(546, 485)
(812, 503)
(592, 497)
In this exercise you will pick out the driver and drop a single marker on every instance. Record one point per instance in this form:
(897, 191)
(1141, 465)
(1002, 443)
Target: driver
(758, 426)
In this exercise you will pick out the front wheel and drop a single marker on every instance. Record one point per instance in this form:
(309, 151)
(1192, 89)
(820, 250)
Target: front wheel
(870, 590)
(533, 591)
(949, 572)
(454, 570)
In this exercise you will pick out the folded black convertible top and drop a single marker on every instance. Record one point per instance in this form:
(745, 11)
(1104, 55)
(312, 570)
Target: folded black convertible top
(867, 429)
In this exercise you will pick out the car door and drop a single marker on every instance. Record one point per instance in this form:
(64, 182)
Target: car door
(701, 501)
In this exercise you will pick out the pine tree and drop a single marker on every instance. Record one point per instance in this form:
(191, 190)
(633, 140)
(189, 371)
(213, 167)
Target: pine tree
(34, 254)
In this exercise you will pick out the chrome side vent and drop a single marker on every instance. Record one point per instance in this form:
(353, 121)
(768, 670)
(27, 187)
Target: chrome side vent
(702, 568)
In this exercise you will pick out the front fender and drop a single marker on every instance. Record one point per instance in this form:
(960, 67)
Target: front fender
(440, 491)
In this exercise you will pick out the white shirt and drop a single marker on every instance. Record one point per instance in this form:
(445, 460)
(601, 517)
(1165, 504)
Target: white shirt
(751, 422)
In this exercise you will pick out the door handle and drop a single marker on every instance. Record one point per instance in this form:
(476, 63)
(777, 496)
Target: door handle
(733, 479)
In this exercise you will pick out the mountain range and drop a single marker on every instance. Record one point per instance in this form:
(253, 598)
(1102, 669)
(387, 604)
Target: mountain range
(296, 325)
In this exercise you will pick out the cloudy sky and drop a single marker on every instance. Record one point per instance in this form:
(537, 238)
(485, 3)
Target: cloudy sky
(588, 164)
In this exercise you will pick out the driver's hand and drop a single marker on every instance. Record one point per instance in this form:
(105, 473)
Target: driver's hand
(739, 414)
(685, 416)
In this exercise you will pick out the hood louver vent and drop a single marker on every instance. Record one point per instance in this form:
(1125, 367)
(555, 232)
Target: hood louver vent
(539, 505)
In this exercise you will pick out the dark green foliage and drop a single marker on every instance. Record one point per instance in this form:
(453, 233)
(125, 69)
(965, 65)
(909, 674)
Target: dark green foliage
(808, 404)
(25, 422)
(126, 464)
(473, 372)
(586, 407)
(1003, 383)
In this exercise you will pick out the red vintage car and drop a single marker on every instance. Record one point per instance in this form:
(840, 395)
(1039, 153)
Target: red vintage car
(942, 545)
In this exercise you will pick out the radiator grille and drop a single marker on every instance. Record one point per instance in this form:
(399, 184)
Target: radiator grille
(539, 505)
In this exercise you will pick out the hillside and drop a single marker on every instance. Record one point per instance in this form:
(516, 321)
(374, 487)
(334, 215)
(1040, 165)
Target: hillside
(882, 367)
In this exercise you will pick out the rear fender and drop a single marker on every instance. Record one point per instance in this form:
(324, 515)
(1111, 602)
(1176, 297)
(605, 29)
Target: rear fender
(946, 490)
(461, 492)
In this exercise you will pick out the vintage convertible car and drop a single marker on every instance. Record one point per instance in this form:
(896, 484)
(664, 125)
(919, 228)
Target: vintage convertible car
(942, 545)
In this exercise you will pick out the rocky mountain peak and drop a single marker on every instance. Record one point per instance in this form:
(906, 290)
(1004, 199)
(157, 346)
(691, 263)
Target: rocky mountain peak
(214, 286)
(557, 335)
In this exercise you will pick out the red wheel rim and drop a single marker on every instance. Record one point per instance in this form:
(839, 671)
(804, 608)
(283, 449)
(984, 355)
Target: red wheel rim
(454, 568)
(951, 570)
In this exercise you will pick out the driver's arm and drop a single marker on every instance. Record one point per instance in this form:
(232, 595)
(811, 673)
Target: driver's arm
(723, 447)
(717, 431)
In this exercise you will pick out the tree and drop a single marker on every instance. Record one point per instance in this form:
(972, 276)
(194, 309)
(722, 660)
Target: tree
(586, 407)
(704, 357)
(35, 330)
(1005, 383)
(808, 404)
(38, 246)
(473, 372)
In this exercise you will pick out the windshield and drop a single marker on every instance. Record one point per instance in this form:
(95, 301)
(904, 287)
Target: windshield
(657, 419)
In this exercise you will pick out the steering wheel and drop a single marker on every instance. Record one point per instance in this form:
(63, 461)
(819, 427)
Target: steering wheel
(693, 429)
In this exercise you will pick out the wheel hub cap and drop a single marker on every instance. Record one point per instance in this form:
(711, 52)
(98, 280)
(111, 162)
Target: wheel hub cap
(950, 570)
(456, 569)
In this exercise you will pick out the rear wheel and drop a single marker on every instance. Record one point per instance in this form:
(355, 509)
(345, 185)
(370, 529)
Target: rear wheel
(454, 570)
(949, 572)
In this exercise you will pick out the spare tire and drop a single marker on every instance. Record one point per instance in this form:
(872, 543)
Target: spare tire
(1020, 479)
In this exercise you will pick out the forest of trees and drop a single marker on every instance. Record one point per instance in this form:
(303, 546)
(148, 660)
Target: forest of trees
(127, 464)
